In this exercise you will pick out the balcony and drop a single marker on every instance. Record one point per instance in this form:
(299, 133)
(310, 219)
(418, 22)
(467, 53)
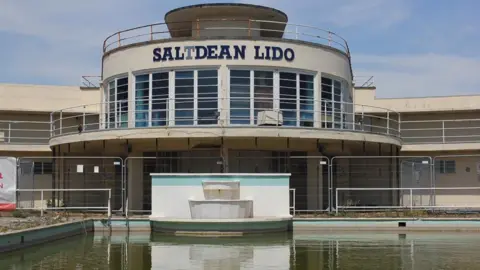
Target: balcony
(206, 113)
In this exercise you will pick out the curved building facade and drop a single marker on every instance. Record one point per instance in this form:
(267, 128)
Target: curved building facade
(244, 91)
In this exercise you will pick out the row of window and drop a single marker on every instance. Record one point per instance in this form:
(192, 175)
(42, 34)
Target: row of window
(445, 166)
(191, 97)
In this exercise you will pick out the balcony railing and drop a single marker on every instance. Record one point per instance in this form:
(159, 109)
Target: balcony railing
(85, 118)
(441, 131)
(258, 112)
(232, 28)
(24, 132)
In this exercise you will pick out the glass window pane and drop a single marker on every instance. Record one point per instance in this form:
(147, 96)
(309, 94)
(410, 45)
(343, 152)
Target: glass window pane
(306, 99)
(207, 101)
(142, 90)
(288, 98)
(184, 98)
(160, 85)
(263, 92)
(240, 97)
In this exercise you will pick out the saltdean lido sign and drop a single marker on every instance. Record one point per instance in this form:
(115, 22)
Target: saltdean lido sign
(235, 52)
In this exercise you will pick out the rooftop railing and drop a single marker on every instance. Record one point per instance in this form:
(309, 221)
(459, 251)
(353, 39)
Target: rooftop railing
(226, 28)
(332, 115)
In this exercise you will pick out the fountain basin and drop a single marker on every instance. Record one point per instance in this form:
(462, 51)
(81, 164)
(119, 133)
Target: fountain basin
(221, 209)
(221, 227)
(221, 190)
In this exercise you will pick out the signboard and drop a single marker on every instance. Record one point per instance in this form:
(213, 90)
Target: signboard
(8, 183)
(235, 52)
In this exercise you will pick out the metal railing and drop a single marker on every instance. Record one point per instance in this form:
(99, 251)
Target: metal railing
(363, 81)
(292, 201)
(330, 115)
(225, 27)
(441, 131)
(24, 132)
(91, 81)
(42, 204)
(424, 198)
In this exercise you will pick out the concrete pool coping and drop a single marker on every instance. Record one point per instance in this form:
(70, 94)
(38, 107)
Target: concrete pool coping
(19, 239)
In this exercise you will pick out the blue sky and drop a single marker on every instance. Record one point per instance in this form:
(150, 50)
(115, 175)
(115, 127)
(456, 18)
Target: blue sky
(411, 47)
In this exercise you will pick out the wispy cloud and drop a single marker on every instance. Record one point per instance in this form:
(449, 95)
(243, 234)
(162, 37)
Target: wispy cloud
(411, 48)
(421, 75)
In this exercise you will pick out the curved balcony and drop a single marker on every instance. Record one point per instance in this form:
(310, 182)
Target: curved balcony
(205, 115)
(224, 28)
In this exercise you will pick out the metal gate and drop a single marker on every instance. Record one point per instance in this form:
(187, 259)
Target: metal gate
(381, 182)
(66, 178)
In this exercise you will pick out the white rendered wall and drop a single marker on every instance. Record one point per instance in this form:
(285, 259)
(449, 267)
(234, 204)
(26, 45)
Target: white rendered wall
(171, 192)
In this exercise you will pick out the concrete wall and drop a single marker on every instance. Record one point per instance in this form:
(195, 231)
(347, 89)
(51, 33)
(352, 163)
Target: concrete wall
(171, 192)
(44, 98)
(367, 96)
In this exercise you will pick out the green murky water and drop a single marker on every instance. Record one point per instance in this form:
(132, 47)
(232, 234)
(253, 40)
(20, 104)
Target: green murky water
(297, 251)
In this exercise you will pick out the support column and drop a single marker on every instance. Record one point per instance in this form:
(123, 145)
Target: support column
(135, 184)
(314, 182)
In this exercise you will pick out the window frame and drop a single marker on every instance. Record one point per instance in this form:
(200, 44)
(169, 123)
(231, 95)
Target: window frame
(117, 118)
(170, 119)
(276, 92)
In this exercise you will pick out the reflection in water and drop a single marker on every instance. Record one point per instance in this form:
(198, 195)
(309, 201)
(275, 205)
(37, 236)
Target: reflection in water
(300, 251)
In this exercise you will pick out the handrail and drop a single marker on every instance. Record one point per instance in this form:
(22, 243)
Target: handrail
(334, 115)
(108, 208)
(24, 132)
(150, 32)
(411, 206)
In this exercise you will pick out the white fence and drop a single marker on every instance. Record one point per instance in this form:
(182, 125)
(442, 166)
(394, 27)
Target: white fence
(41, 204)
(444, 198)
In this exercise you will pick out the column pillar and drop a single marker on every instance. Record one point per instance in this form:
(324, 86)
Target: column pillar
(135, 184)
(314, 182)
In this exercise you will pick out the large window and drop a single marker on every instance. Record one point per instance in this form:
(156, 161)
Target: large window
(288, 98)
(297, 99)
(240, 97)
(160, 105)
(142, 93)
(332, 106)
(184, 97)
(116, 102)
(207, 100)
(263, 93)
(195, 100)
(268, 97)
(151, 99)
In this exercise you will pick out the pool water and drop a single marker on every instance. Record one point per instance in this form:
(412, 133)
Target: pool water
(285, 251)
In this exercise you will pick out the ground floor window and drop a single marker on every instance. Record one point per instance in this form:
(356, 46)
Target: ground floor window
(445, 166)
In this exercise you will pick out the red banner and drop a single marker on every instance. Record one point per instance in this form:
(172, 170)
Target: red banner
(8, 183)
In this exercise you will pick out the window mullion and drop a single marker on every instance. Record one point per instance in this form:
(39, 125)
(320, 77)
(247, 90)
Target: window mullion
(297, 99)
(195, 97)
(150, 94)
(116, 105)
(276, 92)
(252, 97)
(171, 98)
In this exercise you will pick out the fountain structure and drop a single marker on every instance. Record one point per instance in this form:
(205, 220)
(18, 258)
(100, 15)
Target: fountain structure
(225, 204)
